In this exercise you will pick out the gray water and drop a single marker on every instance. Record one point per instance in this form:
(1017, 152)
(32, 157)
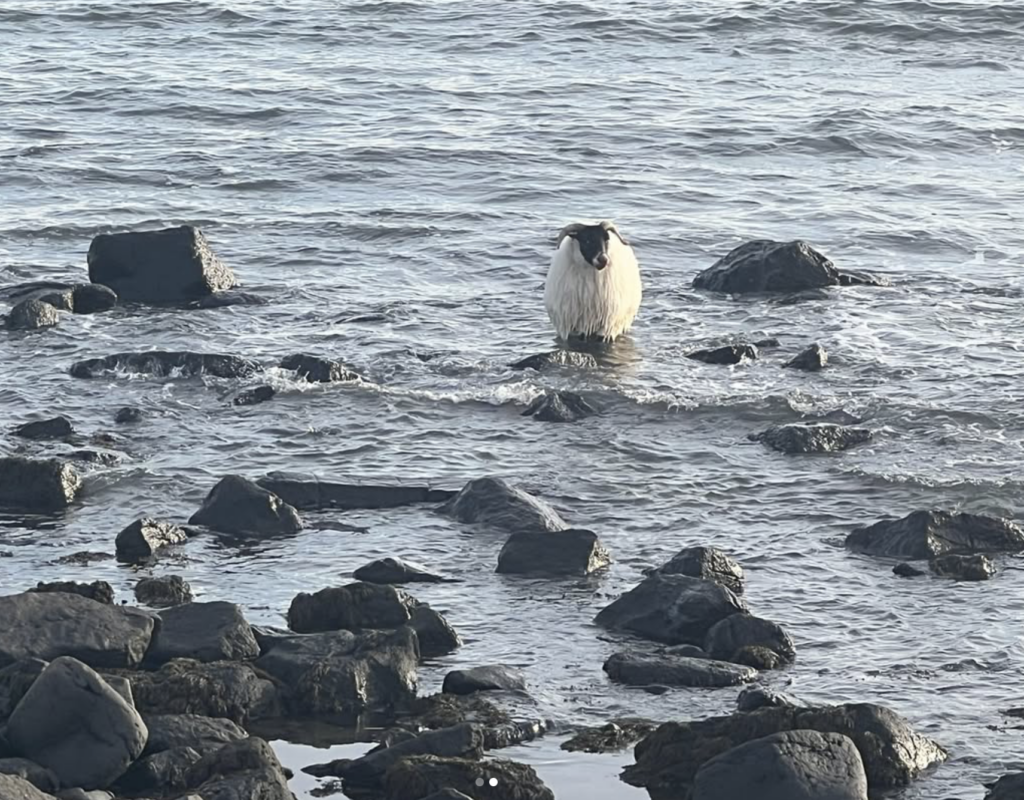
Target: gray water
(391, 175)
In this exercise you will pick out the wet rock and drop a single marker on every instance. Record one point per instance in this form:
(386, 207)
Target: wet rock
(435, 634)
(40, 777)
(56, 428)
(71, 722)
(738, 631)
(557, 358)
(483, 679)
(569, 552)
(494, 503)
(318, 370)
(95, 457)
(163, 592)
(167, 364)
(30, 315)
(128, 414)
(609, 738)
(420, 776)
(559, 406)
(48, 624)
(813, 359)
(708, 563)
(755, 697)
(963, 568)
(444, 710)
(345, 673)
(15, 680)
(637, 670)
(43, 486)
(159, 774)
(791, 765)
(815, 438)
(173, 265)
(356, 606)
(395, 570)
(675, 609)
(206, 632)
(225, 299)
(893, 754)
(685, 651)
(862, 279)
(759, 657)
(905, 570)
(255, 395)
(100, 591)
(307, 492)
(13, 787)
(92, 298)
(83, 558)
(1008, 787)
(925, 534)
(730, 354)
(242, 770)
(175, 731)
(767, 266)
(140, 541)
(237, 505)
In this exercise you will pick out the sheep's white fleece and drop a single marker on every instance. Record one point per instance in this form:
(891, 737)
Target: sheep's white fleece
(583, 301)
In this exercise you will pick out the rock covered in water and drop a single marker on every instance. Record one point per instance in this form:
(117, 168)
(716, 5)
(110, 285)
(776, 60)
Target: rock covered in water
(609, 738)
(100, 591)
(763, 265)
(144, 537)
(559, 406)
(173, 265)
(31, 315)
(905, 570)
(421, 776)
(318, 370)
(229, 298)
(308, 492)
(926, 534)
(237, 505)
(738, 631)
(978, 567)
(56, 428)
(214, 631)
(43, 486)
(165, 364)
(493, 503)
(255, 395)
(708, 563)
(813, 359)
(634, 669)
(790, 765)
(395, 570)
(815, 438)
(730, 354)
(128, 414)
(493, 677)
(569, 552)
(557, 358)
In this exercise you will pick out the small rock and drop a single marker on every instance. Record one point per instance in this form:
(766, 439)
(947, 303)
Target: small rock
(255, 396)
(56, 428)
(237, 505)
(738, 631)
(163, 364)
(92, 298)
(140, 540)
(926, 534)
(905, 570)
(356, 606)
(435, 634)
(977, 567)
(395, 570)
(94, 457)
(42, 486)
(30, 315)
(813, 359)
(610, 738)
(206, 632)
(420, 776)
(100, 591)
(83, 558)
(636, 670)
(494, 503)
(308, 492)
(318, 370)
(731, 354)
(483, 679)
(225, 299)
(771, 343)
(128, 414)
(557, 358)
(816, 438)
(755, 697)
(567, 552)
(163, 592)
(767, 266)
(708, 563)
(758, 656)
(559, 407)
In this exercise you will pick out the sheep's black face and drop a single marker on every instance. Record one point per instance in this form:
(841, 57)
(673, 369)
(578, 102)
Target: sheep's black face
(593, 244)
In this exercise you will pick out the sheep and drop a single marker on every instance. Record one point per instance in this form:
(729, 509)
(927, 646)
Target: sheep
(593, 288)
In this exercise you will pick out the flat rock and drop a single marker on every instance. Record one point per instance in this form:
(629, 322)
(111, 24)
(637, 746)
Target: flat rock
(730, 354)
(707, 563)
(237, 505)
(143, 538)
(14, 787)
(395, 570)
(813, 359)
(71, 722)
(493, 677)
(48, 624)
(559, 406)
(55, 428)
(43, 486)
(926, 534)
(318, 370)
(163, 592)
(42, 778)
(100, 591)
(568, 552)
(638, 670)
(815, 438)
(977, 567)
(421, 776)
(724, 639)
(167, 364)
(174, 731)
(308, 492)
(254, 396)
(611, 737)
(791, 765)
(225, 299)
(493, 503)
(768, 266)
(31, 315)
(206, 632)
(173, 265)
(557, 358)
(675, 609)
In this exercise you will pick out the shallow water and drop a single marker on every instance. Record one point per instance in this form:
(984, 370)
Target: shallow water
(391, 175)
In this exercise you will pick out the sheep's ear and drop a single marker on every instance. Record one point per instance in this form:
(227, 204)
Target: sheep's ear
(609, 226)
(569, 230)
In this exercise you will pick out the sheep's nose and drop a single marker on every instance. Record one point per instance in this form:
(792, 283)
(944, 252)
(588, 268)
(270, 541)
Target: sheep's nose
(601, 261)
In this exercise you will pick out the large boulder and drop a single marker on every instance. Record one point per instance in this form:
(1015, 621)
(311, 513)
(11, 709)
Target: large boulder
(925, 534)
(570, 552)
(734, 633)
(31, 315)
(206, 632)
(140, 540)
(164, 364)
(675, 609)
(493, 503)
(559, 406)
(396, 570)
(418, 777)
(50, 624)
(54, 428)
(557, 358)
(639, 670)
(791, 765)
(708, 563)
(163, 592)
(667, 761)
(74, 724)
(173, 731)
(237, 505)
(308, 492)
(14, 787)
(817, 438)
(242, 770)
(318, 370)
(173, 265)
(39, 486)
(493, 677)
(100, 591)
(767, 266)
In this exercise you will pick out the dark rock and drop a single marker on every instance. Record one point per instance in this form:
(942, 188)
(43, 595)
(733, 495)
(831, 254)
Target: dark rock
(163, 592)
(345, 673)
(49, 624)
(610, 738)
(771, 343)
(318, 370)
(816, 438)
(444, 710)
(95, 457)
(685, 651)
(395, 570)
(92, 298)
(81, 794)
(813, 359)
(557, 358)
(15, 680)
(175, 731)
(56, 428)
(862, 279)
(225, 299)
(356, 606)
(435, 634)
(559, 407)
(174, 265)
(513, 733)
(242, 770)
(708, 563)
(730, 354)
(83, 558)
(205, 632)
(307, 492)
(255, 396)
(569, 552)
(755, 697)
(62, 298)
(100, 591)
(963, 568)
(237, 505)
(417, 777)
(925, 534)
(766, 266)
(1008, 787)
(791, 765)
(675, 609)
(128, 414)
(494, 503)
(483, 679)
(30, 315)
(165, 364)
(41, 486)
(140, 540)
(159, 774)
(637, 670)
(738, 631)
(893, 754)
(13, 787)
(905, 570)
(758, 656)
(447, 794)
(40, 777)
(71, 722)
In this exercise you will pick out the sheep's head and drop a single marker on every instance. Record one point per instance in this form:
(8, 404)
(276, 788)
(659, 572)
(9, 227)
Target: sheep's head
(592, 239)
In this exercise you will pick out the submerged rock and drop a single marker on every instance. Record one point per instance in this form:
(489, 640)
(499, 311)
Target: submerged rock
(30, 315)
(237, 505)
(229, 298)
(420, 776)
(734, 633)
(494, 503)
(395, 570)
(638, 670)
(484, 679)
(905, 570)
(100, 591)
(557, 358)
(708, 563)
(730, 354)
(763, 265)
(308, 492)
(977, 567)
(165, 364)
(173, 265)
(128, 414)
(559, 407)
(318, 370)
(56, 428)
(40, 486)
(815, 438)
(254, 396)
(926, 534)
(142, 538)
(569, 552)
(813, 359)
(163, 592)
(609, 738)
(214, 631)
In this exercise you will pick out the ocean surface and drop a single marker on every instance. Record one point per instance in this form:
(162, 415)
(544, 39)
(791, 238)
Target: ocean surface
(391, 176)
